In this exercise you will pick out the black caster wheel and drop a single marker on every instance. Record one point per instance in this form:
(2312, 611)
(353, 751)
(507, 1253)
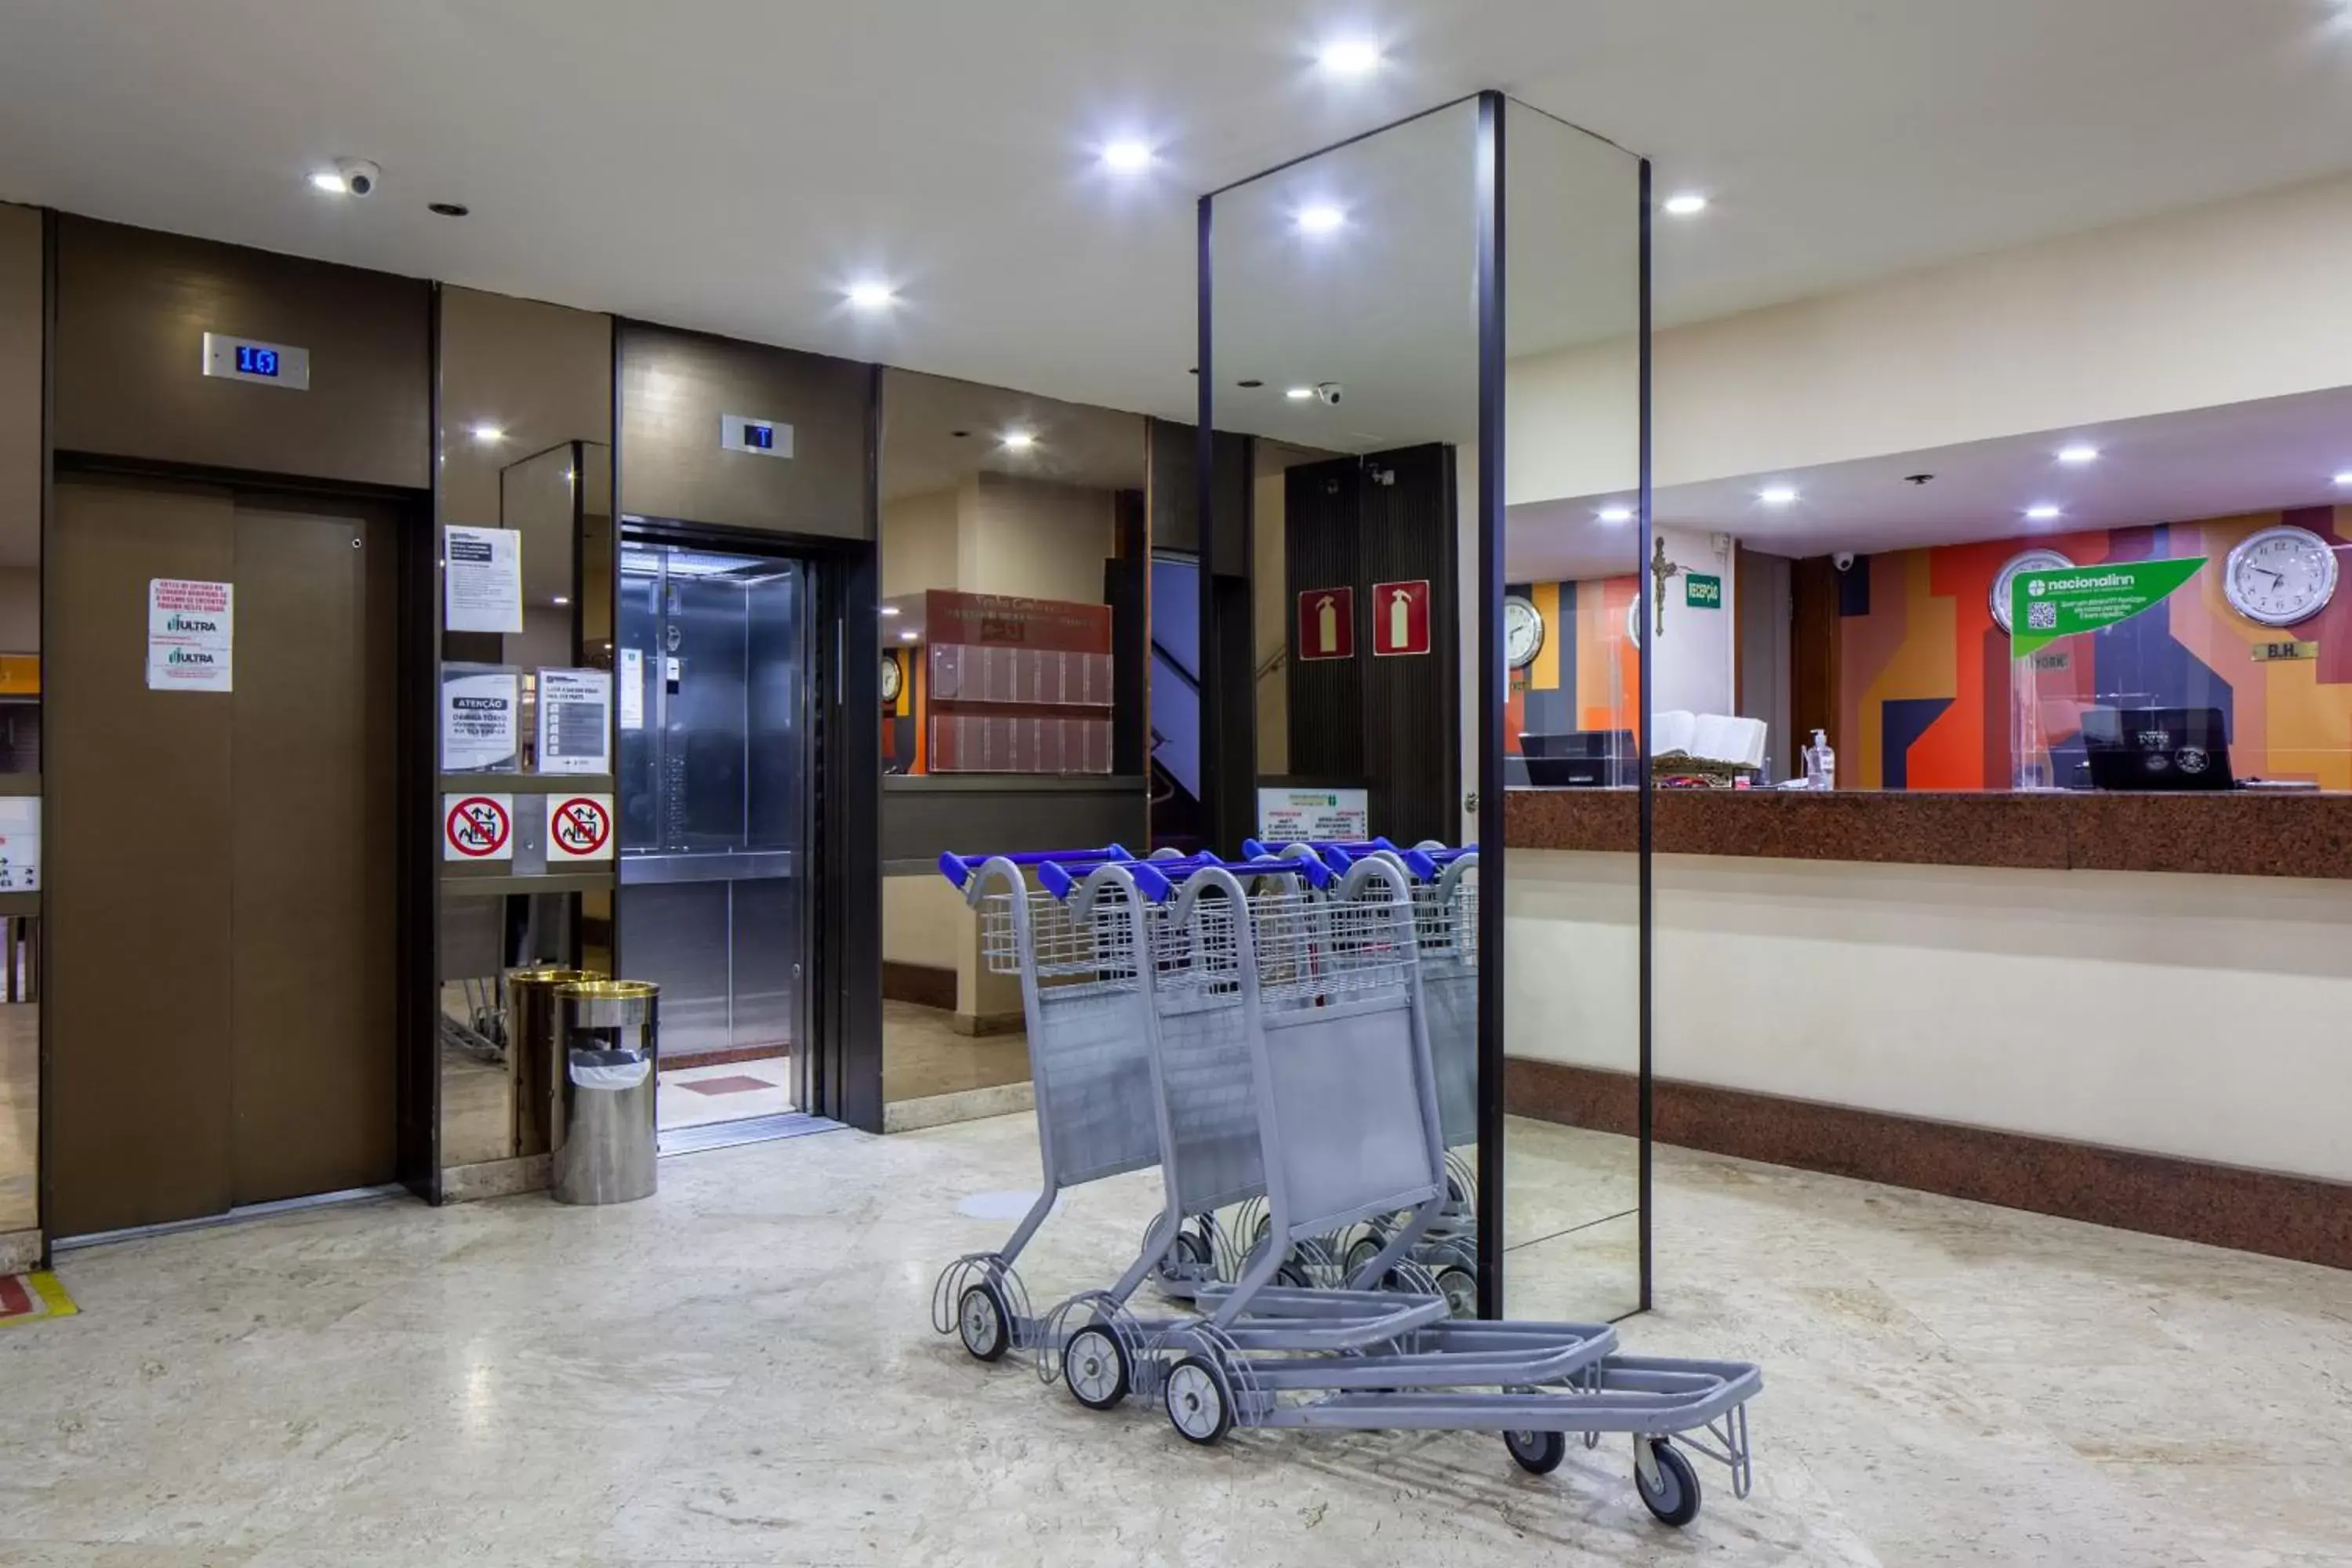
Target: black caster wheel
(1460, 1288)
(1094, 1366)
(1675, 1500)
(1364, 1252)
(1537, 1453)
(1293, 1276)
(983, 1323)
(1189, 1250)
(1199, 1404)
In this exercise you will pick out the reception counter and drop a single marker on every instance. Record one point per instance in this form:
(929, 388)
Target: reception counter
(2135, 1010)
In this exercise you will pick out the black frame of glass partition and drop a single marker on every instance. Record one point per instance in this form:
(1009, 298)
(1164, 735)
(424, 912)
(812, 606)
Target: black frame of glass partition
(1490, 164)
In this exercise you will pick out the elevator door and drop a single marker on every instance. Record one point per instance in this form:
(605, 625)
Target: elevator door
(715, 765)
(221, 889)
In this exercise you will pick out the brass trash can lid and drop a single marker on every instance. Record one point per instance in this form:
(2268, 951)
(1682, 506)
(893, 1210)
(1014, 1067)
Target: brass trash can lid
(543, 976)
(611, 990)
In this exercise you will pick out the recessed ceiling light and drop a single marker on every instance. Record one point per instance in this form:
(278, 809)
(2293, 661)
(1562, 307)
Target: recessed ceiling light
(1778, 495)
(1019, 440)
(558, 599)
(1300, 394)
(1320, 219)
(328, 181)
(2345, 477)
(487, 433)
(907, 636)
(1687, 204)
(889, 609)
(2044, 511)
(448, 209)
(2078, 455)
(1616, 514)
(1126, 157)
(871, 297)
(1349, 57)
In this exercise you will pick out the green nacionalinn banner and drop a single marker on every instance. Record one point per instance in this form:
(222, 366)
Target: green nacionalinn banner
(2045, 606)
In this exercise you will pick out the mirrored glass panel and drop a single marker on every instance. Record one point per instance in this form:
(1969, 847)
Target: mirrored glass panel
(1573, 626)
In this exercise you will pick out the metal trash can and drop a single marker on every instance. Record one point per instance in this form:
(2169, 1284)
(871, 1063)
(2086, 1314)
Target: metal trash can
(534, 1027)
(605, 1136)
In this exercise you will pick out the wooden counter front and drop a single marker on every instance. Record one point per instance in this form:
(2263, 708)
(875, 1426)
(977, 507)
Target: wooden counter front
(2237, 833)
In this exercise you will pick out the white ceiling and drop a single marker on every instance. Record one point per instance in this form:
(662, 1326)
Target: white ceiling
(937, 431)
(727, 164)
(2173, 468)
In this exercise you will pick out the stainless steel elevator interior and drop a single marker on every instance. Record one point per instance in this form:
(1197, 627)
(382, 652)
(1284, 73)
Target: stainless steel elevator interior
(715, 805)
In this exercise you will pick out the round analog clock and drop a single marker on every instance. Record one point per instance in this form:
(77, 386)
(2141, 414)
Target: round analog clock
(1523, 631)
(1997, 600)
(2280, 575)
(1634, 620)
(892, 677)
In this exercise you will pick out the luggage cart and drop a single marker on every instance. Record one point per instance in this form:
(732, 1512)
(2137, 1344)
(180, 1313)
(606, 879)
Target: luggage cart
(1083, 970)
(1334, 1102)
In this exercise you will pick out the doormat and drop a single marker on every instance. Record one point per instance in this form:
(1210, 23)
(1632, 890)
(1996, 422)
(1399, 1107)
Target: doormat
(29, 1297)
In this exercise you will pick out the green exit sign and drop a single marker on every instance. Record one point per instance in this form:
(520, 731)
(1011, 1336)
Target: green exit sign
(1701, 592)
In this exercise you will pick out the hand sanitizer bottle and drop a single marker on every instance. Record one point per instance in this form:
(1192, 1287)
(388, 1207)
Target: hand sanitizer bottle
(1820, 762)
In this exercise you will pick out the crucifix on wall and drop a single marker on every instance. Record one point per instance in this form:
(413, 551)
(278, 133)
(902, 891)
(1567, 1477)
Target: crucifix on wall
(1662, 571)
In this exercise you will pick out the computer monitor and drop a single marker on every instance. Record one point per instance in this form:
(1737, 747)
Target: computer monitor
(1580, 758)
(2156, 748)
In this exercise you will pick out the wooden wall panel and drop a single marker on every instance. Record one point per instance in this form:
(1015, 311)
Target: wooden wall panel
(676, 385)
(133, 307)
(20, 390)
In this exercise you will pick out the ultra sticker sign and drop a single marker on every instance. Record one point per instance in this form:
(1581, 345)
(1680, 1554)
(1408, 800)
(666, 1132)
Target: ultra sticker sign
(2046, 607)
(191, 631)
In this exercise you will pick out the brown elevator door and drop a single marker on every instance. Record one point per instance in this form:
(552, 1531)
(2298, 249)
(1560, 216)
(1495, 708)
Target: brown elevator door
(221, 891)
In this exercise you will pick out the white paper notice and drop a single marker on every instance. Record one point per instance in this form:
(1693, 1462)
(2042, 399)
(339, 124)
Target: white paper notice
(575, 713)
(483, 573)
(191, 630)
(20, 843)
(478, 719)
(632, 688)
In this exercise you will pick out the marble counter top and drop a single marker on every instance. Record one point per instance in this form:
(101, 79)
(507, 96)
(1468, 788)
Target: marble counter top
(2239, 833)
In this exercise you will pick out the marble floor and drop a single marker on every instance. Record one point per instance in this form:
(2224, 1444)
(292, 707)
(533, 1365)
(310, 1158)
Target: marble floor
(740, 1369)
(923, 1056)
(723, 1091)
(20, 1045)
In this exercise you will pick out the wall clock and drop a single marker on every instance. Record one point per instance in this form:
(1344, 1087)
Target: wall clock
(2280, 575)
(2023, 561)
(892, 679)
(1523, 631)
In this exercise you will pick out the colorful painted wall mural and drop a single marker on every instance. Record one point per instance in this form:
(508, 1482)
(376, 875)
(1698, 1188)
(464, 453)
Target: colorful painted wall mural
(1924, 690)
(1587, 675)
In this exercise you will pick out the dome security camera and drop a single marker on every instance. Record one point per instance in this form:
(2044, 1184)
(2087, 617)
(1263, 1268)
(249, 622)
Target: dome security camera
(1330, 392)
(1843, 560)
(361, 177)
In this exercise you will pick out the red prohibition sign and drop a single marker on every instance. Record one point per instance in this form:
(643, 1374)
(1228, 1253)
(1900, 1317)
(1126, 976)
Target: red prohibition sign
(582, 826)
(478, 826)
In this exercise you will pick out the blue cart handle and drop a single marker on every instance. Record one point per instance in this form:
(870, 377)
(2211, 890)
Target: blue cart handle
(960, 870)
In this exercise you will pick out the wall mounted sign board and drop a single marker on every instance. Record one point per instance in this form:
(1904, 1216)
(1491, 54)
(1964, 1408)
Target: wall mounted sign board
(760, 437)
(579, 827)
(1326, 624)
(191, 634)
(480, 704)
(477, 827)
(263, 364)
(482, 573)
(20, 843)
(575, 716)
(1314, 816)
(1400, 618)
(1702, 592)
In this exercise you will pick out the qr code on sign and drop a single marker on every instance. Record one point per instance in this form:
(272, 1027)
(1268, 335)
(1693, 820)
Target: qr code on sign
(2040, 617)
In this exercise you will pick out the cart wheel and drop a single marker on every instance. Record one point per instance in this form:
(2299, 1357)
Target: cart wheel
(1095, 1367)
(1188, 1249)
(1460, 1288)
(1292, 1275)
(1675, 1501)
(1537, 1453)
(1197, 1403)
(1364, 1252)
(981, 1321)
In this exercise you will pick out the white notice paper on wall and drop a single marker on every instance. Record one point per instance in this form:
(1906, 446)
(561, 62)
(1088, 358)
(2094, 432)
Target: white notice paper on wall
(20, 843)
(1314, 816)
(478, 704)
(575, 716)
(484, 578)
(191, 630)
(632, 688)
